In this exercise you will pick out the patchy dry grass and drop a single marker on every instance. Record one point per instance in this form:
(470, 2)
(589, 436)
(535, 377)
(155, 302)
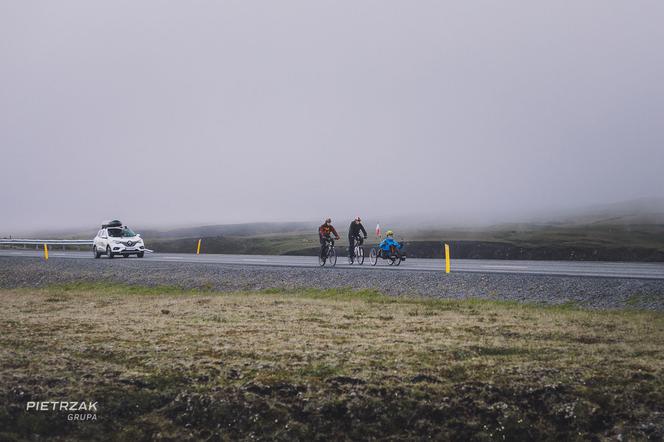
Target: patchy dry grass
(173, 364)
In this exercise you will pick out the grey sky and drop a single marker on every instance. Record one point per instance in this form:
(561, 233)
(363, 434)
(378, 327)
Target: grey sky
(213, 112)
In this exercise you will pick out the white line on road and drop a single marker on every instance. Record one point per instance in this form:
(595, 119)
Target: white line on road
(563, 268)
(505, 267)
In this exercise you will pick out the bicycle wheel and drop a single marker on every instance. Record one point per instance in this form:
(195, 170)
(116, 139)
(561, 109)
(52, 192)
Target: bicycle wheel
(373, 256)
(332, 257)
(397, 262)
(321, 260)
(391, 259)
(359, 255)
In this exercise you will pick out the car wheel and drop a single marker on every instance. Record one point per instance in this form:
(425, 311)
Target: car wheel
(140, 255)
(109, 253)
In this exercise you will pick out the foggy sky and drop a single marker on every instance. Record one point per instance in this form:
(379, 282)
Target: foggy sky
(160, 112)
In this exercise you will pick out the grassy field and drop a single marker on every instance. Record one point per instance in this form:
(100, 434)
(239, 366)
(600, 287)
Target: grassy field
(163, 363)
(598, 239)
(513, 241)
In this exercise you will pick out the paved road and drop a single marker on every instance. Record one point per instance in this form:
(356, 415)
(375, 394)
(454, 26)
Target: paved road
(566, 268)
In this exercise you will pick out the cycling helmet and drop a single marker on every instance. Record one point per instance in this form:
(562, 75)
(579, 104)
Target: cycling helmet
(389, 233)
(328, 220)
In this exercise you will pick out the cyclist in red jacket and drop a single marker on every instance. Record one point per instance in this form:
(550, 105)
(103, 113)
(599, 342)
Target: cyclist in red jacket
(324, 232)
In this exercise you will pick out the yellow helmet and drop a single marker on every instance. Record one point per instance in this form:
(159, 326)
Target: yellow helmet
(389, 233)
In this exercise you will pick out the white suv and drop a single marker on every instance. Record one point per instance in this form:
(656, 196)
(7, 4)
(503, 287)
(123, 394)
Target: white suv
(116, 239)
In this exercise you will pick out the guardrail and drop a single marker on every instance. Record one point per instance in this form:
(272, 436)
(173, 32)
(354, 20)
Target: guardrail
(46, 242)
(51, 242)
(55, 242)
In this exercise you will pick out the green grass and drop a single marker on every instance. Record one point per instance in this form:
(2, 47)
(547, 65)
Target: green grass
(330, 364)
(538, 241)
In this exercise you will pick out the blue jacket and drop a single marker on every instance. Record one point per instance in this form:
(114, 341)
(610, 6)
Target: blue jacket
(387, 242)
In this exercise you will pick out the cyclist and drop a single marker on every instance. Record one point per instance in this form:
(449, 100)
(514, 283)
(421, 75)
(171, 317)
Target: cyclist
(354, 233)
(324, 232)
(388, 242)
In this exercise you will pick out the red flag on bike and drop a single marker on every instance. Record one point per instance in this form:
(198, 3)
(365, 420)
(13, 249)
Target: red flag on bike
(378, 230)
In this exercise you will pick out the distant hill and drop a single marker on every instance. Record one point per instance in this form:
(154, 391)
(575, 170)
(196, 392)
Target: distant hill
(639, 211)
(625, 231)
(248, 229)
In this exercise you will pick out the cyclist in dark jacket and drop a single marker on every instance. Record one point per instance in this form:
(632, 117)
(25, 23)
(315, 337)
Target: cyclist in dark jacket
(354, 232)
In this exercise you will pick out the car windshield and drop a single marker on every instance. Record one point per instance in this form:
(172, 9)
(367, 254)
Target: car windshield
(121, 233)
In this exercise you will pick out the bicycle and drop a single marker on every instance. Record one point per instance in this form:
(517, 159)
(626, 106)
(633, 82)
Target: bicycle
(328, 253)
(393, 257)
(358, 255)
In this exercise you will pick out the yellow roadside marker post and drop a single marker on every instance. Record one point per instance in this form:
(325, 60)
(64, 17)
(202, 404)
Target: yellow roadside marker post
(447, 258)
(46, 252)
(198, 249)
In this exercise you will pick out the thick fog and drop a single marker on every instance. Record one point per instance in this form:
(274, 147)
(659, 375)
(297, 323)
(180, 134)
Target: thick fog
(168, 113)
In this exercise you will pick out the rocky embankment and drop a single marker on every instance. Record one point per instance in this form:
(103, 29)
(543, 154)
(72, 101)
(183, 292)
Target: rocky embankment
(596, 293)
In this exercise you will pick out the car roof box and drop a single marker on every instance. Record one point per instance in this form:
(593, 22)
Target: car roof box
(112, 223)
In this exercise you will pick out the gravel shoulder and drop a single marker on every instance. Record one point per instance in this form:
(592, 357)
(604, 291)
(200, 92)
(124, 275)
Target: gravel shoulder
(595, 293)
